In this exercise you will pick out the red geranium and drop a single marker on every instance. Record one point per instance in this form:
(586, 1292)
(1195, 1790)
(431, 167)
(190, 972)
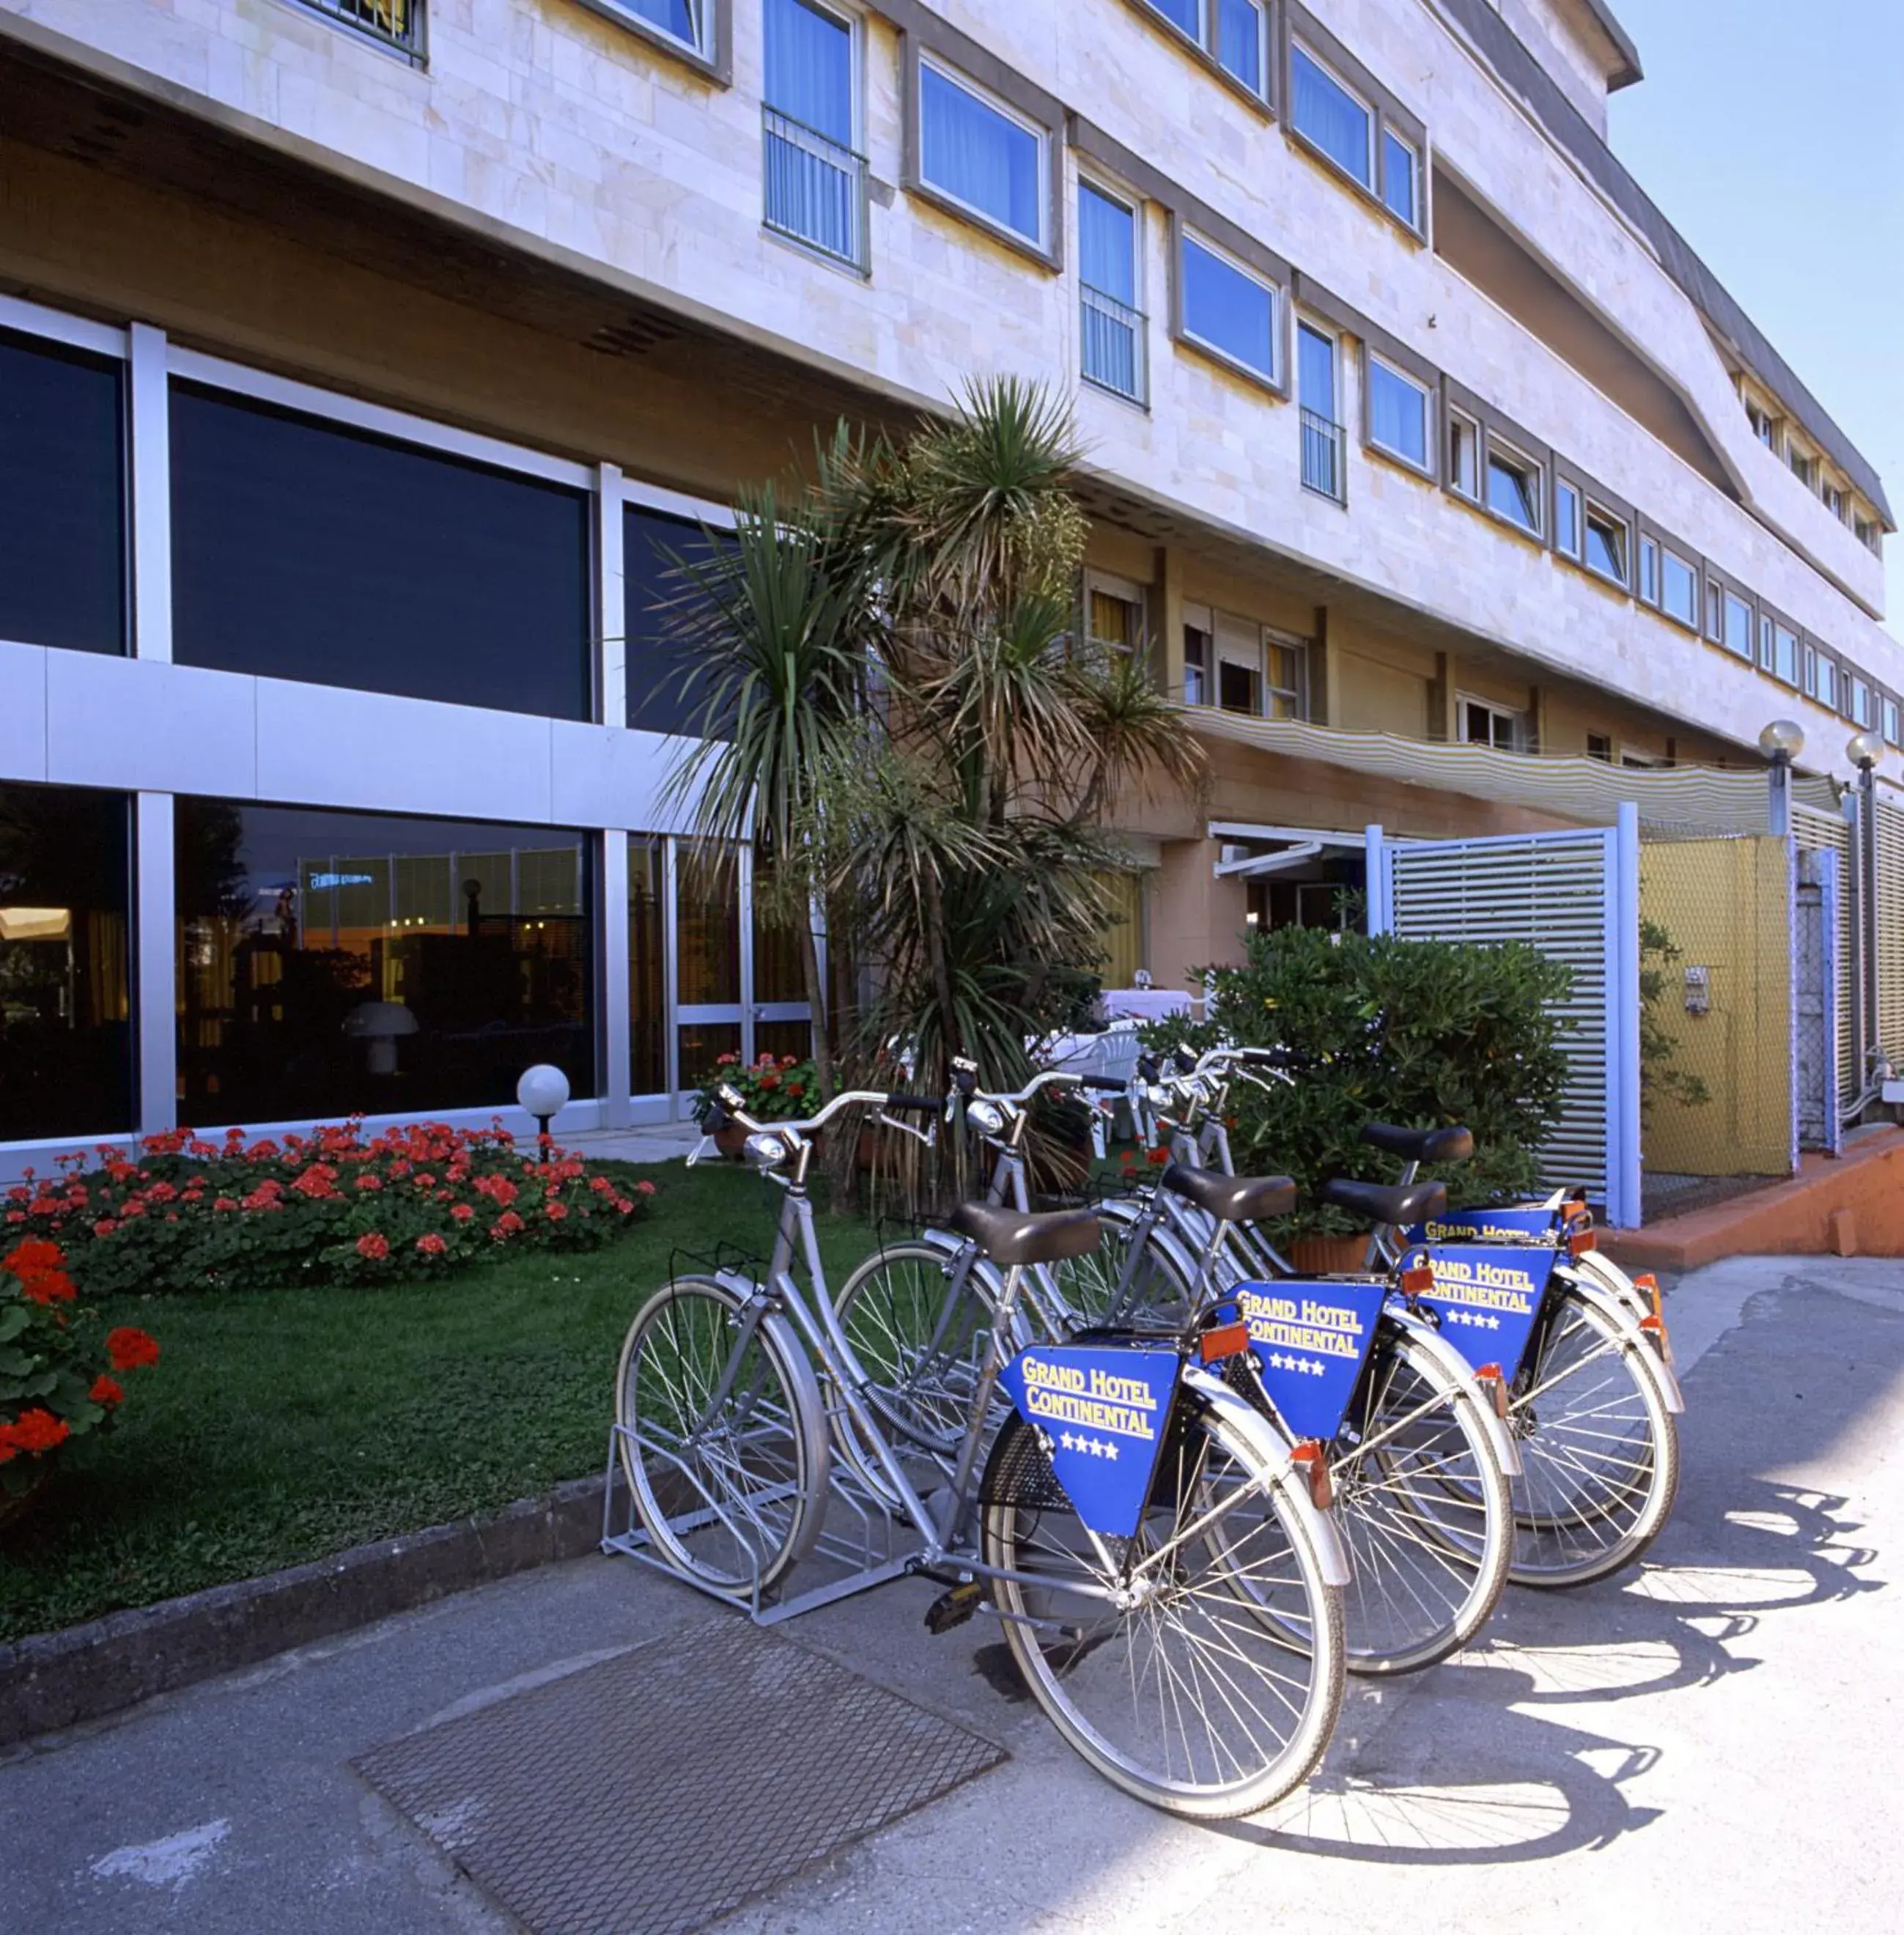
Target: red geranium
(106, 1391)
(461, 1212)
(373, 1247)
(432, 1244)
(128, 1349)
(38, 1430)
(35, 1254)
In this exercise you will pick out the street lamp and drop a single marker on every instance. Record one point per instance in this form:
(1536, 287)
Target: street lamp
(543, 1092)
(1781, 742)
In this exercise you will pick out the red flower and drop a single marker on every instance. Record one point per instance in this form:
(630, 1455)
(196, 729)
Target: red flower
(623, 1207)
(461, 1212)
(127, 1349)
(225, 1204)
(38, 1430)
(369, 1182)
(105, 1226)
(555, 1212)
(505, 1226)
(35, 1254)
(52, 1286)
(432, 1246)
(645, 1187)
(106, 1391)
(373, 1247)
(1158, 1157)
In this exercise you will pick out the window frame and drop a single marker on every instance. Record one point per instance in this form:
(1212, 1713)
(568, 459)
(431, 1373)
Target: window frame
(1299, 46)
(713, 57)
(1458, 422)
(1125, 591)
(1695, 570)
(1089, 181)
(854, 23)
(1325, 329)
(1563, 487)
(1646, 588)
(1184, 231)
(1621, 523)
(1043, 122)
(1382, 357)
(1202, 47)
(1274, 639)
(1517, 725)
(1510, 455)
(1890, 713)
(1301, 31)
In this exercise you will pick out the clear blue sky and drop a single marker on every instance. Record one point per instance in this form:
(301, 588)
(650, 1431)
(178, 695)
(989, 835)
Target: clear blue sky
(1771, 135)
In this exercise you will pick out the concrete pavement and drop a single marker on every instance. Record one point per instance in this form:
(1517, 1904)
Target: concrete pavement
(1713, 1742)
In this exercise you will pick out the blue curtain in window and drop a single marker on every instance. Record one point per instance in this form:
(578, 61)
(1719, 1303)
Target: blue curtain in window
(1228, 311)
(1398, 414)
(971, 150)
(1105, 237)
(1315, 367)
(1329, 116)
(810, 68)
(1239, 41)
(1399, 177)
(681, 18)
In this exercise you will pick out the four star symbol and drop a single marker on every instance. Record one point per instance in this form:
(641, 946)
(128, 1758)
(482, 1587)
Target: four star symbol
(1097, 1447)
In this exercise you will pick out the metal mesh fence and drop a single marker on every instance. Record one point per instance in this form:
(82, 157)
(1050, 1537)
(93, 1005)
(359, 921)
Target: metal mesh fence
(1890, 930)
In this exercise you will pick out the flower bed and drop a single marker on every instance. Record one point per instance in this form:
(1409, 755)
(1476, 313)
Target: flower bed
(771, 1089)
(336, 1207)
(56, 1364)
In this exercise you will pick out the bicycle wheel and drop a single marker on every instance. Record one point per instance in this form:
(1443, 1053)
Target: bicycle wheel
(1600, 1452)
(921, 1335)
(1160, 1294)
(1424, 1506)
(1175, 1687)
(722, 1442)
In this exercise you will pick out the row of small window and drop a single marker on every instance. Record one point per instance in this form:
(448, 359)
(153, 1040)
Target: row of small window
(1812, 472)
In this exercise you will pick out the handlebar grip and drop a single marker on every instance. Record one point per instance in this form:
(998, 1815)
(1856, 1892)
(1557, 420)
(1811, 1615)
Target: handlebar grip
(1104, 1083)
(1147, 1067)
(918, 1104)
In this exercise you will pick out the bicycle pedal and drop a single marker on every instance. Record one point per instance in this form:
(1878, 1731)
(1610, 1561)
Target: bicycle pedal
(954, 1607)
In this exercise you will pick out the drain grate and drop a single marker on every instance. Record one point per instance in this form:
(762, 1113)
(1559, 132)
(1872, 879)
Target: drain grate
(656, 1793)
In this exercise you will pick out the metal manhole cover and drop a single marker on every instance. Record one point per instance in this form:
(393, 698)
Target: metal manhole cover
(656, 1793)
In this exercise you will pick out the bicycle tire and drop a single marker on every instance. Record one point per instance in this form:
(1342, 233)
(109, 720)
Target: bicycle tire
(1600, 1460)
(732, 1492)
(1095, 1682)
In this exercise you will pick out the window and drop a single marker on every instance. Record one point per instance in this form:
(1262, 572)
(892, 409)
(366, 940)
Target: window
(1606, 544)
(1834, 501)
(661, 602)
(1738, 626)
(1187, 14)
(1821, 679)
(1679, 589)
(1261, 673)
(1323, 467)
(1398, 413)
(1891, 723)
(1197, 654)
(648, 988)
(1286, 666)
(62, 498)
(1764, 428)
(397, 23)
(1485, 725)
(1644, 762)
(1600, 746)
(979, 154)
(688, 21)
(1566, 518)
(65, 962)
(1513, 487)
(1649, 571)
(302, 550)
(1860, 704)
(815, 181)
(1228, 309)
(1399, 167)
(1111, 326)
(1715, 611)
(1802, 467)
(1327, 113)
(1867, 533)
(1241, 36)
(1114, 612)
(1784, 662)
(337, 962)
(1463, 457)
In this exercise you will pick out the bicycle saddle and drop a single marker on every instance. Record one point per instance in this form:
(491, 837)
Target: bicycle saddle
(1383, 1203)
(1012, 1236)
(1452, 1144)
(1231, 1199)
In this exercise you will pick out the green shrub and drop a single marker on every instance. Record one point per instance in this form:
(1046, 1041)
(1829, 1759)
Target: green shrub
(1423, 1033)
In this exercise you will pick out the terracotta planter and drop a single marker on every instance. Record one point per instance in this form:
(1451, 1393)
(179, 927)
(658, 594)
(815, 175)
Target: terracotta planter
(731, 1141)
(1327, 1256)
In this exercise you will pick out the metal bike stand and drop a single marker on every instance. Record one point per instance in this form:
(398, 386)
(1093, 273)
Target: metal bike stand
(865, 1552)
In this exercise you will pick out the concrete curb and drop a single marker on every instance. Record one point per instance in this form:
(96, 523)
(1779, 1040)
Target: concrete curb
(58, 1679)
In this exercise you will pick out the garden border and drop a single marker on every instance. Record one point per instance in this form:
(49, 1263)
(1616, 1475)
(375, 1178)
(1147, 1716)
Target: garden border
(49, 1681)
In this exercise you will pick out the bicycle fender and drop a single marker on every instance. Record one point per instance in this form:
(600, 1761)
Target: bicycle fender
(1457, 1375)
(1602, 1269)
(1331, 1555)
(982, 1267)
(1615, 1309)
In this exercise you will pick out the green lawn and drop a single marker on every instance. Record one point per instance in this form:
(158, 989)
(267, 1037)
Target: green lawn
(282, 1425)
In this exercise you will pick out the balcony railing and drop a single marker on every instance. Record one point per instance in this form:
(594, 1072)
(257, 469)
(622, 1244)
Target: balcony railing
(815, 189)
(1113, 337)
(1322, 455)
(396, 23)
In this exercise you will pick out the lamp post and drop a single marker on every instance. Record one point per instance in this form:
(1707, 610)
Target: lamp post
(1781, 742)
(1864, 749)
(543, 1092)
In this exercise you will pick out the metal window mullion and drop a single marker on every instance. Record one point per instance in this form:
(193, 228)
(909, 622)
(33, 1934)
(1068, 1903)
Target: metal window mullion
(610, 654)
(613, 1082)
(743, 891)
(155, 942)
(149, 438)
(670, 972)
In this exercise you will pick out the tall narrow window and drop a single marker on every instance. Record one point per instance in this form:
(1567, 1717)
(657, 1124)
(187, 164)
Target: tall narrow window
(1198, 648)
(1649, 571)
(1738, 626)
(1239, 665)
(1398, 413)
(984, 158)
(1228, 310)
(1679, 589)
(1513, 487)
(1112, 327)
(687, 21)
(1322, 434)
(1860, 706)
(1784, 654)
(1464, 456)
(1327, 113)
(1399, 172)
(1286, 663)
(815, 181)
(1892, 721)
(1240, 37)
(1566, 518)
(1606, 544)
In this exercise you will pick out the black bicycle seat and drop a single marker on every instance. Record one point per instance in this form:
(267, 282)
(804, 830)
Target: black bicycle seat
(1450, 1144)
(1386, 1202)
(1014, 1236)
(1231, 1199)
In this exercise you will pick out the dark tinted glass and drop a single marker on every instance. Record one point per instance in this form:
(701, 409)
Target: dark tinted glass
(663, 694)
(333, 961)
(62, 499)
(66, 968)
(307, 552)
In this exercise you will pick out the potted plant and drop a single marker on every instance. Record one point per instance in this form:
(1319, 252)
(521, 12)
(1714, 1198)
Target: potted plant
(772, 1088)
(59, 1370)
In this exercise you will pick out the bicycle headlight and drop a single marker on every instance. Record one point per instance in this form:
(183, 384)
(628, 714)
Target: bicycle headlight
(764, 1150)
(987, 1117)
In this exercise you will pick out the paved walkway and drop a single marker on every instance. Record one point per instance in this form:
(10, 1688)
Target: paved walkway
(1713, 1742)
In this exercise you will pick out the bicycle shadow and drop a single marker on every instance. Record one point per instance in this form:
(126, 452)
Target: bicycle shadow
(1478, 1760)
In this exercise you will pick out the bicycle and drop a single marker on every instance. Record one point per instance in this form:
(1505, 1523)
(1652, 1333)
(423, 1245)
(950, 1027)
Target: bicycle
(1170, 1590)
(1405, 1439)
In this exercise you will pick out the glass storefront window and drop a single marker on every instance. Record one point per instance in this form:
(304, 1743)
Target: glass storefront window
(65, 965)
(779, 974)
(303, 550)
(663, 696)
(332, 962)
(62, 497)
(707, 916)
(702, 1045)
(647, 990)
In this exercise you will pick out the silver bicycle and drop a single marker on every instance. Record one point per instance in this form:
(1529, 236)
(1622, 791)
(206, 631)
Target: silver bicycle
(1168, 1588)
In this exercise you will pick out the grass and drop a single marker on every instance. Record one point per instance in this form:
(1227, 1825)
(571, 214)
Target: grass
(282, 1425)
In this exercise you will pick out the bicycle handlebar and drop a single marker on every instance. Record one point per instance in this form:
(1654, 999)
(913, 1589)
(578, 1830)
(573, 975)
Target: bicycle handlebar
(729, 1112)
